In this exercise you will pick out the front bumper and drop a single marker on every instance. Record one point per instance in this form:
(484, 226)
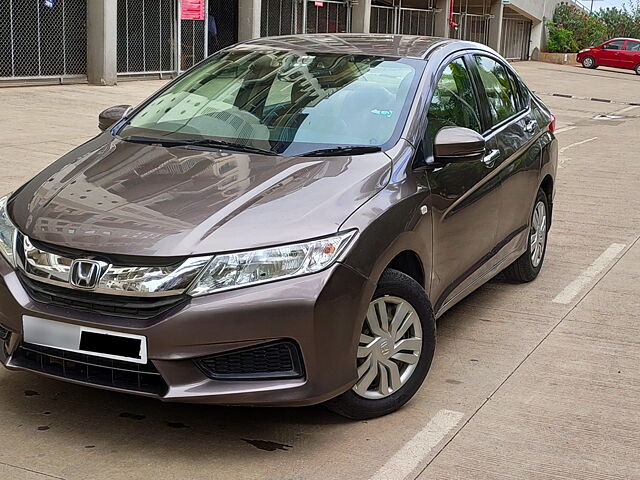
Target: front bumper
(321, 313)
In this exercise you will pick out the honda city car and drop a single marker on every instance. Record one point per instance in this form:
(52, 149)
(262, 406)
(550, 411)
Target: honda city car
(281, 225)
(619, 53)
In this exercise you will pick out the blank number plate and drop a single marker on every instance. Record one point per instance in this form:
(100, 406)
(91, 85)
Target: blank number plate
(90, 341)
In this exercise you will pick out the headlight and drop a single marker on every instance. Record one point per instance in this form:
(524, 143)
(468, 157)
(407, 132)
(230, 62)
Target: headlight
(260, 266)
(7, 233)
(585, 50)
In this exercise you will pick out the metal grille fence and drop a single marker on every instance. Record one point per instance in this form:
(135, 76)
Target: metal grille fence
(383, 19)
(516, 36)
(289, 17)
(403, 20)
(41, 42)
(331, 17)
(279, 17)
(147, 36)
(192, 42)
(471, 27)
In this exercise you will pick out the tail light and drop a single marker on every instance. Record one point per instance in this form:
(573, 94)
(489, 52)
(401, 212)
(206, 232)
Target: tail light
(552, 125)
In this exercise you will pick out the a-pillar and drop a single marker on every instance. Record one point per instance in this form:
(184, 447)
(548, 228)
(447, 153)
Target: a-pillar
(102, 42)
(495, 28)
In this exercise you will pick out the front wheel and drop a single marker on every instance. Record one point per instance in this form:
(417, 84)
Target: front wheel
(527, 267)
(589, 62)
(395, 351)
(638, 69)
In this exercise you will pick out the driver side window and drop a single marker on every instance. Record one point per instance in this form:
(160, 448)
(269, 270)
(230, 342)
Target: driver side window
(454, 102)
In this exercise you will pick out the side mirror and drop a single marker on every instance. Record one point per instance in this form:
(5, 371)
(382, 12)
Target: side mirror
(458, 144)
(112, 115)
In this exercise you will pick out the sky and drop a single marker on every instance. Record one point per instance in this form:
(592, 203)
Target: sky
(604, 3)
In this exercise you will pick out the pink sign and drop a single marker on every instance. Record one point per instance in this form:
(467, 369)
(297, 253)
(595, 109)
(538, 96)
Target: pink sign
(192, 10)
(319, 4)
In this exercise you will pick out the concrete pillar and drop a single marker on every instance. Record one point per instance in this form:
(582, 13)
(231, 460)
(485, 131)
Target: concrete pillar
(495, 29)
(443, 7)
(361, 17)
(102, 42)
(249, 18)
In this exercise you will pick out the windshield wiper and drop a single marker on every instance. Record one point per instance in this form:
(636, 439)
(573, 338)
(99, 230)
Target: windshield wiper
(153, 141)
(209, 142)
(350, 150)
(206, 142)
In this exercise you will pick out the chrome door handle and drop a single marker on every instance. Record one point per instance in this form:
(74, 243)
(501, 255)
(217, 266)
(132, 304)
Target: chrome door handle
(531, 126)
(490, 158)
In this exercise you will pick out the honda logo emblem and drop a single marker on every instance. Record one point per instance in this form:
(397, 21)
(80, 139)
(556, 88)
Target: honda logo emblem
(86, 274)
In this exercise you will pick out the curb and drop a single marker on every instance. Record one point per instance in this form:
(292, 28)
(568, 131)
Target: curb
(591, 99)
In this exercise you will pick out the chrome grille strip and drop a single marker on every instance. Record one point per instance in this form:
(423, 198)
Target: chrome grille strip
(154, 281)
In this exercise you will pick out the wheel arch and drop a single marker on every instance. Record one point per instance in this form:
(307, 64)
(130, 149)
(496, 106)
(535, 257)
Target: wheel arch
(409, 263)
(547, 187)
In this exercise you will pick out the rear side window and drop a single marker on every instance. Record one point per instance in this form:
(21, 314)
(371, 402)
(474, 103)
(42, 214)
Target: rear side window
(617, 45)
(499, 89)
(633, 46)
(454, 102)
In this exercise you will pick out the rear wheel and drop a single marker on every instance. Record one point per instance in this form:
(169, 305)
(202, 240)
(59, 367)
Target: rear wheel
(528, 266)
(589, 62)
(396, 347)
(638, 69)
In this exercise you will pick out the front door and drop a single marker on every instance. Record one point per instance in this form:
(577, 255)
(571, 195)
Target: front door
(465, 196)
(512, 137)
(611, 54)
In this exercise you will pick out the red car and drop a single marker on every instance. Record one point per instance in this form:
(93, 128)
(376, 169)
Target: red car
(619, 53)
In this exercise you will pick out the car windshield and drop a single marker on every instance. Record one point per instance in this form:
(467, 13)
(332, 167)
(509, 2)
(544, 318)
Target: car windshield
(282, 101)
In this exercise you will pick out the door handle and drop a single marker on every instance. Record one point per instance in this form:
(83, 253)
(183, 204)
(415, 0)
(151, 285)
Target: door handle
(531, 126)
(490, 158)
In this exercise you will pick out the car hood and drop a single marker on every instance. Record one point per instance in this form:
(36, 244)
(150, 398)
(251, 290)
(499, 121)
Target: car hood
(122, 198)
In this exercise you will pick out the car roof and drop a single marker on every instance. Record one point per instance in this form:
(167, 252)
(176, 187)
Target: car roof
(623, 38)
(401, 46)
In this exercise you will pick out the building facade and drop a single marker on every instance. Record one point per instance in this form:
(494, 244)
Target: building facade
(101, 41)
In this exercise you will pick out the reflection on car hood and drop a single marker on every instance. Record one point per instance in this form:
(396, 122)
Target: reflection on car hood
(111, 196)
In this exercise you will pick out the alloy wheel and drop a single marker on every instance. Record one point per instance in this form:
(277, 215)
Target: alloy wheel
(588, 62)
(538, 234)
(389, 349)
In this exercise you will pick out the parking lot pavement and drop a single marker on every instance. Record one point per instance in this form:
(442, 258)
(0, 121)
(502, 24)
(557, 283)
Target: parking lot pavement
(529, 381)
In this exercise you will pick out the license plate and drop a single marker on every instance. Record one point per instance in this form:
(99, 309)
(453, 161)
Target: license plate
(90, 341)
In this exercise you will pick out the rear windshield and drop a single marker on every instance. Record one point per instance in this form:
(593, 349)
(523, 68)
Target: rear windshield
(286, 102)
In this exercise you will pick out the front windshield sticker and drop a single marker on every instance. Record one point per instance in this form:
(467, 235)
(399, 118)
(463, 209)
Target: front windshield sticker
(384, 113)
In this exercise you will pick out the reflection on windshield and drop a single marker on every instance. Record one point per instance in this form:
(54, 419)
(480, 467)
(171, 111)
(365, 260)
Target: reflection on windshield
(283, 101)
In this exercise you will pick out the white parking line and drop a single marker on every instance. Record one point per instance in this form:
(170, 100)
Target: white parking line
(624, 110)
(572, 290)
(565, 129)
(564, 149)
(415, 450)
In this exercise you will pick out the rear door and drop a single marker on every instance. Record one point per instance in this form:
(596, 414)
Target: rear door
(511, 140)
(465, 196)
(631, 54)
(611, 54)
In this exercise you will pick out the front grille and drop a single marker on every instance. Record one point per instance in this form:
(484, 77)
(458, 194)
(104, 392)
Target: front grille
(115, 305)
(275, 360)
(90, 369)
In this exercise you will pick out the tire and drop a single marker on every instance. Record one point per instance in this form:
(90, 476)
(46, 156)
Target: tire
(393, 287)
(638, 69)
(589, 62)
(525, 269)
